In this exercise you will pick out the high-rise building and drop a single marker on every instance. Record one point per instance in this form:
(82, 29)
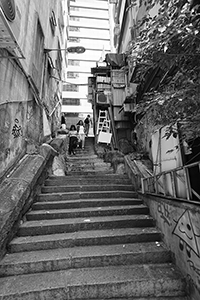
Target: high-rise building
(89, 27)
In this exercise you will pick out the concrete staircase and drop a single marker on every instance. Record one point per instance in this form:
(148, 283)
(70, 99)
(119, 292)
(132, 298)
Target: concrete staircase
(88, 236)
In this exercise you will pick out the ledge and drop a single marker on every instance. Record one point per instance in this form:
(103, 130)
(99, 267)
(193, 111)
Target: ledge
(18, 190)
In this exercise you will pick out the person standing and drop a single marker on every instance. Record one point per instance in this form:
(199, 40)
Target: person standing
(81, 133)
(63, 123)
(87, 123)
(73, 139)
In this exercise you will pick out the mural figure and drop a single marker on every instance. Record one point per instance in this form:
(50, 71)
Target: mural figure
(185, 230)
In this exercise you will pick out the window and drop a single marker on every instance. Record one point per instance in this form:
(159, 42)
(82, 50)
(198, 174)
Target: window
(74, 28)
(74, 18)
(74, 8)
(71, 101)
(74, 40)
(72, 75)
(70, 88)
(73, 62)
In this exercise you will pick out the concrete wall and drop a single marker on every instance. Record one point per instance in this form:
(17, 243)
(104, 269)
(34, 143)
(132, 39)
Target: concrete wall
(180, 224)
(22, 104)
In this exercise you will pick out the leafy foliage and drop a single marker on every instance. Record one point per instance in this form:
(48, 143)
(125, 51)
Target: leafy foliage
(168, 36)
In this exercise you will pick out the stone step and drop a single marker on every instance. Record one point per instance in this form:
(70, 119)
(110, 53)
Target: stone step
(85, 212)
(66, 204)
(43, 227)
(83, 257)
(80, 188)
(86, 195)
(150, 298)
(96, 175)
(85, 238)
(74, 170)
(148, 280)
(69, 180)
(85, 160)
(81, 156)
(99, 171)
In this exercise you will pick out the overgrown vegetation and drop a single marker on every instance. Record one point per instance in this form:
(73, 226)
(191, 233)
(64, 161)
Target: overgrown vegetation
(168, 37)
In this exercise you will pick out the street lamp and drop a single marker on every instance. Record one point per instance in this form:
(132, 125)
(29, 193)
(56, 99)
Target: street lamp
(77, 49)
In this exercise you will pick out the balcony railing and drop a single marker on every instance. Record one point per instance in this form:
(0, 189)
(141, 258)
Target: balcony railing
(178, 183)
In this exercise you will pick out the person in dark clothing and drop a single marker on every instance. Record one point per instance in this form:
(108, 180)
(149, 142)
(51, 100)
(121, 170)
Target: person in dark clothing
(87, 123)
(73, 139)
(63, 123)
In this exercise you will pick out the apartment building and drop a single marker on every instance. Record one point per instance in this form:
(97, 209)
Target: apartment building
(89, 27)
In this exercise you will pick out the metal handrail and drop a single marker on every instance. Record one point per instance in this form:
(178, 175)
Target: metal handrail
(153, 184)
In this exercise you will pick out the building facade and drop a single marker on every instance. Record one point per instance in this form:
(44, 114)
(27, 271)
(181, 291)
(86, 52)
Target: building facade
(89, 27)
(30, 75)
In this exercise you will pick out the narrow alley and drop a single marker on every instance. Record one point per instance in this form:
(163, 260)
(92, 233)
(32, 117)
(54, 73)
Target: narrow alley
(89, 236)
(99, 150)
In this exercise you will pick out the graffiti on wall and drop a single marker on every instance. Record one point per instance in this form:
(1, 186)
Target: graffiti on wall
(163, 210)
(16, 129)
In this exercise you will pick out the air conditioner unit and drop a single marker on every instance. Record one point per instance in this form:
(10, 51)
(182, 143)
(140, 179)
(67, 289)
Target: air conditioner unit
(101, 99)
(10, 21)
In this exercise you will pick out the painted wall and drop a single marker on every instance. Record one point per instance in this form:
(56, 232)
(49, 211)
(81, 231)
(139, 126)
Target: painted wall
(180, 224)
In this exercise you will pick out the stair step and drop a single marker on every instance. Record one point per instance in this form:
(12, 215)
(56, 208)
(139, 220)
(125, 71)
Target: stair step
(85, 238)
(42, 227)
(102, 282)
(86, 195)
(96, 175)
(90, 188)
(81, 156)
(85, 212)
(69, 180)
(83, 257)
(91, 172)
(78, 203)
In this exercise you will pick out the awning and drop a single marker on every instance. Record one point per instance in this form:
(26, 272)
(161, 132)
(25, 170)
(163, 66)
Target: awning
(116, 60)
(104, 71)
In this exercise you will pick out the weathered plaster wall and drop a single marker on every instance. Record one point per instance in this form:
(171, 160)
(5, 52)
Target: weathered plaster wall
(180, 224)
(19, 115)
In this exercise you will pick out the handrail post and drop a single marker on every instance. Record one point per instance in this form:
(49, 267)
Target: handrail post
(173, 183)
(187, 182)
